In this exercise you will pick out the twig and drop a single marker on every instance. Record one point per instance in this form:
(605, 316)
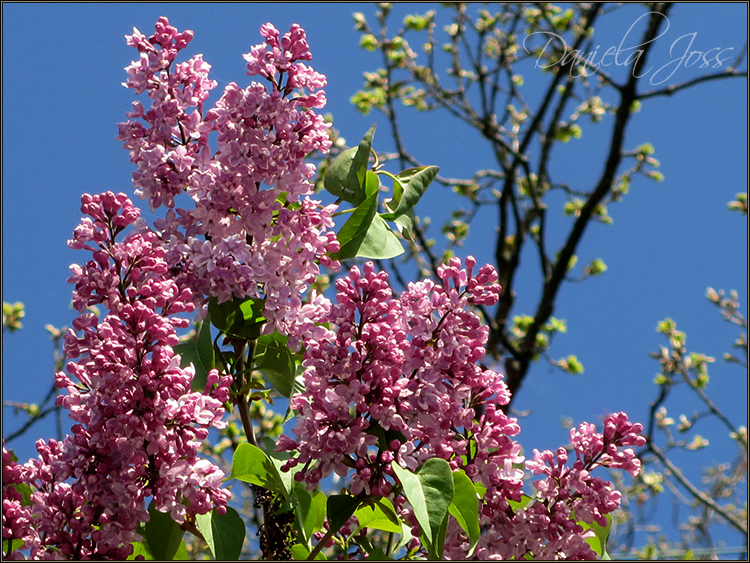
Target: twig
(735, 523)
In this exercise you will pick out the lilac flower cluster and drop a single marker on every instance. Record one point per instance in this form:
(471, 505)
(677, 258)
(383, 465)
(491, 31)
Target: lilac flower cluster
(137, 426)
(546, 528)
(17, 518)
(405, 367)
(397, 379)
(251, 229)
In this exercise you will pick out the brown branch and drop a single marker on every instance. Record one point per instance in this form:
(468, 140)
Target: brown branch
(551, 286)
(674, 88)
(697, 494)
(43, 412)
(30, 422)
(506, 268)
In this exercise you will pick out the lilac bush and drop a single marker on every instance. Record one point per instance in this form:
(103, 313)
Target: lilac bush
(391, 396)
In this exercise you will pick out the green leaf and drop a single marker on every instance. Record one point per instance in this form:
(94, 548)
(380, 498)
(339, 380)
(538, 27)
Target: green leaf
(430, 492)
(362, 156)
(301, 553)
(182, 552)
(597, 267)
(414, 182)
(339, 509)
(336, 180)
(368, 42)
(140, 549)
(406, 537)
(416, 22)
(379, 515)
(385, 437)
(276, 362)
(372, 183)
(465, 507)
(239, 318)
(520, 505)
(354, 231)
(278, 459)
(380, 241)
(574, 365)
(23, 488)
(440, 539)
(224, 533)
(12, 545)
(346, 175)
(198, 351)
(310, 510)
(251, 465)
(163, 534)
(480, 489)
(405, 224)
(599, 542)
(373, 553)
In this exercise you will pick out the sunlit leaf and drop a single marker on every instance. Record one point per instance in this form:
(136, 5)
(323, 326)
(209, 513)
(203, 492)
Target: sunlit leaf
(301, 553)
(380, 241)
(465, 507)
(430, 492)
(240, 318)
(353, 233)
(345, 177)
(379, 515)
(599, 542)
(310, 510)
(251, 465)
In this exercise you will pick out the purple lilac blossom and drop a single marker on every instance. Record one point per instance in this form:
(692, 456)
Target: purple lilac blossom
(251, 228)
(137, 424)
(407, 368)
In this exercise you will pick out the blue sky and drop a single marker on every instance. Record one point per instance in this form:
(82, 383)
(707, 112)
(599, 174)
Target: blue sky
(62, 98)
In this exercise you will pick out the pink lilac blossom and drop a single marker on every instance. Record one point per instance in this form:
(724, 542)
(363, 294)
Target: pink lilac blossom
(397, 379)
(18, 522)
(251, 229)
(406, 366)
(407, 369)
(137, 424)
(546, 528)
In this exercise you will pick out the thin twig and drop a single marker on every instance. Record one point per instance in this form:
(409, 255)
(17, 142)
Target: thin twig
(698, 495)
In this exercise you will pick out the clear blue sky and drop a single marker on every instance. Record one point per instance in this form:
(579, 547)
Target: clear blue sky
(62, 98)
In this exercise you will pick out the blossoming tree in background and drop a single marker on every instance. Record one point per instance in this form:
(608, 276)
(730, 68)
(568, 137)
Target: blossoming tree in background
(386, 392)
